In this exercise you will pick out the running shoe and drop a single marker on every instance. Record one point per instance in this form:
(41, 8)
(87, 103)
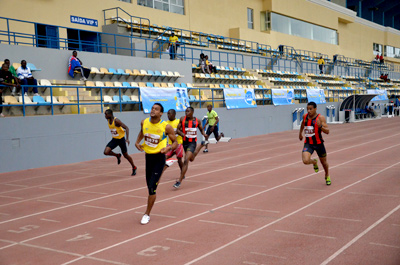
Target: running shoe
(316, 169)
(170, 162)
(328, 180)
(204, 142)
(145, 219)
(222, 134)
(177, 185)
(119, 158)
(205, 151)
(134, 171)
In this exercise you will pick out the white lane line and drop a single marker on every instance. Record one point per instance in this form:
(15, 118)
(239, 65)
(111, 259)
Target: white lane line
(195, 203)
(396, 224)
(8, 246)
(94, 192)
(4, 214)
(180, 241)
(220, 223)
(372, 194)
(273, 256)
(305, 234)
(8, 241)
(200, 181)
(334, 218)
(108, 229)
(99, 207)
(16, 185)
(11, 197)
(49, 220)
(245, 198)
(298, 210)
(134, 196)
(337, 253)
(252, 263)
(260, 210)
(384, 245)
(161, 215)
(248, 185)
(52, 202)
(304, 189)
(47, 188)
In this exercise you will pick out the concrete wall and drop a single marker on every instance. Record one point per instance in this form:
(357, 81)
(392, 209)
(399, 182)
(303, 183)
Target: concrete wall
(39, 141)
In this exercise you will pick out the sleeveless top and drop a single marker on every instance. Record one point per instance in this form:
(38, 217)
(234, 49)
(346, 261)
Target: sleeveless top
(312, 133)
(189, 128)
(116, 132)
(155, 138)
(174, 124)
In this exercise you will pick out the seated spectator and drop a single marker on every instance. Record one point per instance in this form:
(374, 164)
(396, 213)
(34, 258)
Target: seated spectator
(210, 67)
(25, 78)
(8, 79)
(376, 60)
(75, 64)
(370, 109)
(10, 67)
(202, 64)
(386, 78)
(381, 60)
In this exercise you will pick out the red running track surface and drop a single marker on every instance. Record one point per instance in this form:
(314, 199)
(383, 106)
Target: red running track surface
(250, 201)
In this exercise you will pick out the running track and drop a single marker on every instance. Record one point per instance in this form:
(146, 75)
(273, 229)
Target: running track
(250, 201)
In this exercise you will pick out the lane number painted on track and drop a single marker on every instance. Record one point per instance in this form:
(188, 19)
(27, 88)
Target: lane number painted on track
(86, 236)
(149, 252)
(23, 229)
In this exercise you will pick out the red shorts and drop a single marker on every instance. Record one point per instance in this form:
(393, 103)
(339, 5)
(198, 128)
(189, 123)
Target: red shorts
(178, 152)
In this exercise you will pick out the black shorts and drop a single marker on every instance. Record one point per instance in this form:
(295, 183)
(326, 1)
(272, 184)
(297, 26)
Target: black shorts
(154, 167)
(189, 146)
(118, 142)
(215, 132)
(320, 148)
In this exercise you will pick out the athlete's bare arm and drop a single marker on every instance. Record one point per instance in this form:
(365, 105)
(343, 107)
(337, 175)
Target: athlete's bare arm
(301, 129)
(119, 123)
(323, 126)
(139, 138)
(169, 131)
(179, 128)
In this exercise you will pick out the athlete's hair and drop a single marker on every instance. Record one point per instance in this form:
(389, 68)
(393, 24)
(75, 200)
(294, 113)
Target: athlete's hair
(161, 106)
(109, 111)
(172, 110)
(312, 103)
(192, 109)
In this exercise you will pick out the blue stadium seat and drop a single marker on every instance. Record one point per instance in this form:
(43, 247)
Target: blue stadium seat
(116, 98)
(112, 70)
(183, 85)
(122, 72)
(148, 84)
(40, 100)
(33, 67)
(177, 85)
(125, 98)
(126, 84)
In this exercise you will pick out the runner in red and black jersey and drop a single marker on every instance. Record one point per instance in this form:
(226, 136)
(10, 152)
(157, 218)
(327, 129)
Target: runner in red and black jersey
(314, 125)
(187, 128)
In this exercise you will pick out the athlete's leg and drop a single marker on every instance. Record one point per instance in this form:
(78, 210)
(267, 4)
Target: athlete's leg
(306, 156)
(325, 164)
(188, 157)
(150, 203)
(109, 152)
(198, 149)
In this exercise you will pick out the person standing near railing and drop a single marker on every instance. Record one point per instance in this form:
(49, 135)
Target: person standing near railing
(173, 42)
(321, 64)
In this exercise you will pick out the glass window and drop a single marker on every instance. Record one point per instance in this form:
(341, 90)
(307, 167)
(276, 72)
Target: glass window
(128, 1)
(174, 6)
(302, 29)
(265, 19)
(377, 48)
(250, 18)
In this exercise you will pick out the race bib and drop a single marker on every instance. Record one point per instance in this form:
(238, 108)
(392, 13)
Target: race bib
(191, 132)
(151, 140)
(309, 131)
(114, 133)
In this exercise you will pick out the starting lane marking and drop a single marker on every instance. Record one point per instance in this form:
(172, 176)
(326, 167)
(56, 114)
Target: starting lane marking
(49, 220)
(180, 241)
(273, 256)
(16, 185)
(260, 210)
(372, 194)
(93, 192)
(334, 218)
(63, 203)
(248, 185)
(304, 234)
(220, 223)
(161, 215)
(11, 197)
(107, 229)
(151, 251)
(99, 207)
(288, 188)
(384, 245)
(134, 196)
(361, 234)
(47, 188)
(195, 203)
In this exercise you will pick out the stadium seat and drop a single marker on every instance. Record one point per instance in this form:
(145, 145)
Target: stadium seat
(94, 71)
(122, 72)
(11, 100)
(55, 101)
(63, 100)
(134, 84)
(33, 67)
(16, 65)
(40, 100)
(108, 99)
(125, 98)
(148, 84)
(177, 85)
(106, 72)
(116, 98)
(26, 99)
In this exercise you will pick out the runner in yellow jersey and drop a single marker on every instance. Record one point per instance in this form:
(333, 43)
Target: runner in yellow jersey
(118, 130)
(179, 150)
(154, 130)
(212, 121)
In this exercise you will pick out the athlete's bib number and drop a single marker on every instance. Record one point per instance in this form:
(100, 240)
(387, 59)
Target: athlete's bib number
(114, 133)
(191, 132)
(309, 131)
(152, 140)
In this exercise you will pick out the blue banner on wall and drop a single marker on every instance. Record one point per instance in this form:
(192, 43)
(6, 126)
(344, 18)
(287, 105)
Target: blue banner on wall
(84, 21)
(316, 95)
(382, 94)
(171, 98)
(282, 96)
(239, 98)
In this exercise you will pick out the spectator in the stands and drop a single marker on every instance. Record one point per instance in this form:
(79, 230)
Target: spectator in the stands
(321, 64)
(202, 64)
(10, 67)
(173, 42)
(8, 79)
(75, 64)
(25, 78)
(381, 60)
(210, 67)
(376, 60)
(370, 109)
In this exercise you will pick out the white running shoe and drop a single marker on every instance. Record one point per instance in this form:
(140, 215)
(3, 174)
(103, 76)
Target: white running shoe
(145, 219)
(170, 162)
